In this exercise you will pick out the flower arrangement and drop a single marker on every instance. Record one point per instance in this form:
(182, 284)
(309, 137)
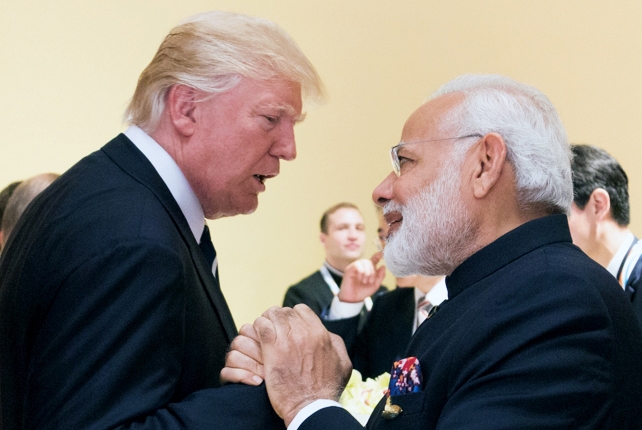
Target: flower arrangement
(360, 397)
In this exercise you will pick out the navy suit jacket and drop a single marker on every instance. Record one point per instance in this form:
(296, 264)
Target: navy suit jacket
(109, 314)
(384, 336)
(535, 335)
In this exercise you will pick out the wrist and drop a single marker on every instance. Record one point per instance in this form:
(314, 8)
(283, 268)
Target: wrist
(348, 299)
(291, 415)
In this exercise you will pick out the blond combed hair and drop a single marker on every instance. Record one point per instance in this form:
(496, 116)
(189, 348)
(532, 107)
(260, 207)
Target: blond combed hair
(211, 52)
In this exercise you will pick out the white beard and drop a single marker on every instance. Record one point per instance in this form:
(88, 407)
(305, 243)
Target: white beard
(436, 232)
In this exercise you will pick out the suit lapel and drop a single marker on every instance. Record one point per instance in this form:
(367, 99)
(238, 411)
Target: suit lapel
(125, 154)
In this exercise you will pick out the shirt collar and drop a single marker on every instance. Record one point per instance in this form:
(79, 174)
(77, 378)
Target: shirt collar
(173, 177)
(332, 269)
(616, 261)
(437, 294)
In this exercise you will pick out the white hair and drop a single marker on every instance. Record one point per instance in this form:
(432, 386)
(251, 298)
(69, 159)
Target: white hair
(211, 52)
(536, 142)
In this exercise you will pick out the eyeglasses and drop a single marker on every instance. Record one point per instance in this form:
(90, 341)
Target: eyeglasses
(394, 151)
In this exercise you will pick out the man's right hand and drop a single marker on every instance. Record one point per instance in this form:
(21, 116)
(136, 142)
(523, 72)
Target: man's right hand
(303, 362)
(361, 279)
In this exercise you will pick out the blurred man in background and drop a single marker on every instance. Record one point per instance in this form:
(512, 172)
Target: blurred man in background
(343, 236)
(20, 199)
(4, 199)
(600, 216)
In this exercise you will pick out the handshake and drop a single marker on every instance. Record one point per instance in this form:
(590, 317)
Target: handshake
(290, 349)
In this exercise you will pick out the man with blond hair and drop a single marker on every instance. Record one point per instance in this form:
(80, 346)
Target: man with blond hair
(534, 334)
(111, 314)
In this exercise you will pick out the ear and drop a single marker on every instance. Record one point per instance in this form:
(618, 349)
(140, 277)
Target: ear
(600, 204)
(322, 237)
(181, 103)
(488, 158)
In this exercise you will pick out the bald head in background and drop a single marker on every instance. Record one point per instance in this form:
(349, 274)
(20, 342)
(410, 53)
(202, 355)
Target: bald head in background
(22, 195)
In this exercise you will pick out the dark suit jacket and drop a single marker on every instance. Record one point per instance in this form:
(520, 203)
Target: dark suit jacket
(312, 291)
(109, 315)
(384, 336)
(535, 335)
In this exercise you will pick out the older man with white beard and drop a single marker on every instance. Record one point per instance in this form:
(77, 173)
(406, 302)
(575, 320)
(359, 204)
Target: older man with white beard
(534, 335)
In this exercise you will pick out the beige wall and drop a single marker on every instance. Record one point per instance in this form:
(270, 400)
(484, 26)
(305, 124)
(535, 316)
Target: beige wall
(68, 68)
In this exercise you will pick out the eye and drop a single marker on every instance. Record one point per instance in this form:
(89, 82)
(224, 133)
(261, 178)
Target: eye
(271, 119)
(403, 160)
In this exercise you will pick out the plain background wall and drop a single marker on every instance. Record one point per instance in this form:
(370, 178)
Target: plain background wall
(69, 67)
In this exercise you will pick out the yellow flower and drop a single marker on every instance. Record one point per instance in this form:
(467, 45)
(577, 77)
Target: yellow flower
(360, 397)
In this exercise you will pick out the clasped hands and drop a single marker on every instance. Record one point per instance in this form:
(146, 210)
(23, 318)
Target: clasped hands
(299, 360)
(290, 349)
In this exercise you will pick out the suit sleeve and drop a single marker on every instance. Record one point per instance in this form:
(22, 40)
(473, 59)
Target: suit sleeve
(109, 352)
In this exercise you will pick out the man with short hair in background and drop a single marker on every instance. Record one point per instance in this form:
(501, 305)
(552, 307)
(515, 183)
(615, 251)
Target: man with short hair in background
(600, 215)
(534, 334)
(111, 312)
(343, 236)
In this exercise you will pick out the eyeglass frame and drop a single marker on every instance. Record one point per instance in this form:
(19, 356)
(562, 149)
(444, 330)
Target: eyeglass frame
(394, 151)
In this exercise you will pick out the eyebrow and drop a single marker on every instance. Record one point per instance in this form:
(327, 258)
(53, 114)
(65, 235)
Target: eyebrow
(285, 109)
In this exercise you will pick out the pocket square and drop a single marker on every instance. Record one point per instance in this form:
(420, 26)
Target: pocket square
(405, 377)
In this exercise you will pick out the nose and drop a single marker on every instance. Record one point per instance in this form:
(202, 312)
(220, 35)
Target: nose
(284, 146)
(383, 193)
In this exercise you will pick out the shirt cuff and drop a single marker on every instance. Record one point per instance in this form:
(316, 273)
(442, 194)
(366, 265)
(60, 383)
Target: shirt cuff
(340, 310)
(313, 407)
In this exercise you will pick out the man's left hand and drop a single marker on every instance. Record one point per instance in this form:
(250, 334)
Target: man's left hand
(244, 361)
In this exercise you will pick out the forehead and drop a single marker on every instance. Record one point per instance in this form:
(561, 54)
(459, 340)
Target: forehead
(345, 216)
(279, 95)
(425, 123)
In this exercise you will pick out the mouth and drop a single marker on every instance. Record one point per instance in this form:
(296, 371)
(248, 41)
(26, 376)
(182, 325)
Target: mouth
(394, 220)
(263, 178)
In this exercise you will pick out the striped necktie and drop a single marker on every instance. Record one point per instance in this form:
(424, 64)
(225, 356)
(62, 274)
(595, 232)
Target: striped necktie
(423, 309)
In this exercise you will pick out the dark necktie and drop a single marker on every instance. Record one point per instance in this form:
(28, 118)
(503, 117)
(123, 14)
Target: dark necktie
(207, 247)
